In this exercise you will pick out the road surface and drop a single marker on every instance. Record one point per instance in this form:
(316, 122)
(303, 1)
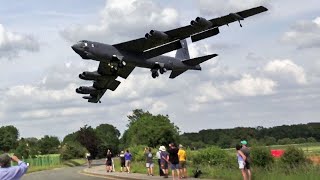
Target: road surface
(63, 173)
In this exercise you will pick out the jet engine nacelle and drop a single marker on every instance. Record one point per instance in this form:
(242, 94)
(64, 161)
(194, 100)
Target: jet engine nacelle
(86, 90)
(89, 75)
(157, 35)
(87, 97)
(201, 22)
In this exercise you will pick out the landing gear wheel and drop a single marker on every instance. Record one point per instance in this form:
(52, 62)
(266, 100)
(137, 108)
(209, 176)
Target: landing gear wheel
(113, 69)
(155, 74)
(122, 64)
(162, 70)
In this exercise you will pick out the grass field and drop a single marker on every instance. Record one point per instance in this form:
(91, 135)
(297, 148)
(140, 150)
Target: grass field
(276, 172)
(52, 161)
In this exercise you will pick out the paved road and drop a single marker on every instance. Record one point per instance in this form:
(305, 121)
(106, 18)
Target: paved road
(63, 174)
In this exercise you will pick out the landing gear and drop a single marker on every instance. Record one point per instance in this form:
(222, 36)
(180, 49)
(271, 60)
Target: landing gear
(155, 74)
(162, 70)
(115, 66)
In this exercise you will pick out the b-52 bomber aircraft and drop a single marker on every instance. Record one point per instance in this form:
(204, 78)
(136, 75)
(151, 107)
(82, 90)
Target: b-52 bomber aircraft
(120, 59)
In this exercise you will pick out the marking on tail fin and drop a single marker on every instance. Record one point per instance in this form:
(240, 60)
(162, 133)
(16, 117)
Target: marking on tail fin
(183, 53)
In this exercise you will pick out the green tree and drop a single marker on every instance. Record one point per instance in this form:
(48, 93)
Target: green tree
(269, 140)
(8, 138)
(72, 150)
(70, 137)
(147, 129)
(88, 138)
(49, 145)
(108, 136)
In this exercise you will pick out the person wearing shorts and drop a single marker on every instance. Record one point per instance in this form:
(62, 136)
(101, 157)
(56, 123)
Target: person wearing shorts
(122, 161)
(128, 157)
(182, 162)
(241, 161)
(149, 161)
(164, 161)
(109, 161)
(174, 159)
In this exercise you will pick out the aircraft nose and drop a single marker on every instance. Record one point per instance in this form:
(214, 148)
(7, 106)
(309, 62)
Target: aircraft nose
(75, 47)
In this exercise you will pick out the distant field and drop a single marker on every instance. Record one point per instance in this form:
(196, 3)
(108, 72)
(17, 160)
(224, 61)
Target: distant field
(310, 149)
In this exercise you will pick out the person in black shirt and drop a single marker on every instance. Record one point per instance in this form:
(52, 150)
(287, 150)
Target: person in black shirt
(122, 162)
(109, 161)
(174, 159)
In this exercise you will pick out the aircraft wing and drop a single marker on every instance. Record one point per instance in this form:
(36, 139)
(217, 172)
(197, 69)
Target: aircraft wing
(142, 44)
(108, 80)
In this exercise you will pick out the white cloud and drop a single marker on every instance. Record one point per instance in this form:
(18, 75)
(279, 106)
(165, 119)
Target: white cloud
(220, 7)
(11, 44)
(305, 34)
(122, 19)
(286, 69)
(246, 86)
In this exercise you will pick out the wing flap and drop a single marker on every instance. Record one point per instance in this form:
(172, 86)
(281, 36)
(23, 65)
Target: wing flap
(205, 34)
(157, 51)
(113, 85)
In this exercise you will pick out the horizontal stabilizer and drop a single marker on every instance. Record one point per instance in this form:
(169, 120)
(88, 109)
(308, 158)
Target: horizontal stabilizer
(114, 84)
(205, 34)
(198, 60)
(176, 73)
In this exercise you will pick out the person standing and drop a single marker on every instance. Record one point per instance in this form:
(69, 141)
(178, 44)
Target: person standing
(149, 161)
(109, 161)
(182, 162)
(122, 161)
(89, 159)
(241, 161)
(164, 161)
(246, 151)
(8, 172)
(158, 155)
(128, 157)
(174, 159)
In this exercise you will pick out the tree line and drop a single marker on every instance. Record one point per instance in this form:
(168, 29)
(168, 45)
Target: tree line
(146, 129)
(285, 134)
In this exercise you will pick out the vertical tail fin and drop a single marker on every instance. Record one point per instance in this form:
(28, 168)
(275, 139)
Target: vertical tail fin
(183, 53)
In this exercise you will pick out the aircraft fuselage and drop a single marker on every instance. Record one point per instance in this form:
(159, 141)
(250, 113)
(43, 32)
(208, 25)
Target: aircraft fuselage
(104, 52)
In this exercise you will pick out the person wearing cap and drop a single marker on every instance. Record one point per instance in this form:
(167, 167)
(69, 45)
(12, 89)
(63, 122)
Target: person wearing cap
(182, 161)
(158, 155)
(8, 172)
(246, 151)
(164, 161)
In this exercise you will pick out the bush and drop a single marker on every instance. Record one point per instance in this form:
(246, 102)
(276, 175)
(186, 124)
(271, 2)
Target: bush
(261, 156)
(72, 150)
(213, 156)
(293, 157)
(137, 152)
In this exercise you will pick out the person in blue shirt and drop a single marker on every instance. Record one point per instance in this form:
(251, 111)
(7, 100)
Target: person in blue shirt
(8, 172)
(128, 157)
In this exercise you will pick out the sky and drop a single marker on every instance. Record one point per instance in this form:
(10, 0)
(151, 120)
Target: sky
(267, 73)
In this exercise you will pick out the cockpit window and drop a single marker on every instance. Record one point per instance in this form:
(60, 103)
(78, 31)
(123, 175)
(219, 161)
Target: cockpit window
(83, 41)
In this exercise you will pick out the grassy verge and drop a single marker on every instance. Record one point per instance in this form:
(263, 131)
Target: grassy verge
(69, 163)
(215, 172)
